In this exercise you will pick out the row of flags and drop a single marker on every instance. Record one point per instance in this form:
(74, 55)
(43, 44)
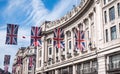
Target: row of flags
(36, 35)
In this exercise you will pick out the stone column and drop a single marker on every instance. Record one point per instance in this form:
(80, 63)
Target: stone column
(66, 50)
(74, 69)
(72, 42)
(101, 65)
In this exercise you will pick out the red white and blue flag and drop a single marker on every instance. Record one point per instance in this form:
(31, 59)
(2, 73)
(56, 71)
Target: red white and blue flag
(13, 70)
(6, 69)
(58, 38)
(19, 60)
(6, 60)
(36, 36)
(11, 37)
(79, 40)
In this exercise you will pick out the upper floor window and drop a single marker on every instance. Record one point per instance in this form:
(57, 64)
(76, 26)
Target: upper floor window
(105, 1)
(113, 33)
(106, 34)
(49, 41)
(86, 23)
(68, 34)
(112, 13)
(105, 16)
(69, 44)
(56, 50)
(118, 9)
(109, 0)
(50, 51)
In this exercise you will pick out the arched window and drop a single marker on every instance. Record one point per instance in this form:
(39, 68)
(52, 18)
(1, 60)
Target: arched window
(80, 26)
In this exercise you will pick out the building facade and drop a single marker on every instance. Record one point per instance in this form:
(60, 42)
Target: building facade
(25, 53)
(100, 19)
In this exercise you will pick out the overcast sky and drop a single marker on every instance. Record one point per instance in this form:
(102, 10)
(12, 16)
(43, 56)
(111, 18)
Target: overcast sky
(27, 13)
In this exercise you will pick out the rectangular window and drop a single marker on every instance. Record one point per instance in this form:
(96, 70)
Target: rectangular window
(105, 1)
(118, 9)
(56, 50)
(109, 0)
(69, 44)
(50, 51)
(114, 61)
(106, 33)
(113, 33)
(105, 16)
(86, 67)
(112, 13)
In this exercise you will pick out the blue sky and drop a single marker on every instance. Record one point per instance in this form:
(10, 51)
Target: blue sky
(27, 13)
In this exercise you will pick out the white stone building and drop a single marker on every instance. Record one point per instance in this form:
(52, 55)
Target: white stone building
(25, 53)
(100, 19)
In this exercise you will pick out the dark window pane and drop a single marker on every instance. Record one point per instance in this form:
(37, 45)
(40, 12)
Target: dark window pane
(112, 13)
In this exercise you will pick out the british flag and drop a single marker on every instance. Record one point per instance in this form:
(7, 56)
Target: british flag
(19, 60)
(58, 38)
(79, 40)
(11, 37)
(6, 69)
(13, 70)
(6, 60)
(36, 36)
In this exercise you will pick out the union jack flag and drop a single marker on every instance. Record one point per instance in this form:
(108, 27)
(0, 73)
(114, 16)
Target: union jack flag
(58, 38)
(79, 40)
(19, 60)
(6, 69)
(11, 37)
(36, 36)
(30, 61)
(6, 60)
(13, 70)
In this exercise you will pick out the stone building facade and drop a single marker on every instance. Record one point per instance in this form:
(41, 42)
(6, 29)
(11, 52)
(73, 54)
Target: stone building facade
(25, 53)
(100, 19)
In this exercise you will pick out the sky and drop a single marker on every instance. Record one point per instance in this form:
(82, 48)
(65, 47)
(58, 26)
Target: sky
(27, 13)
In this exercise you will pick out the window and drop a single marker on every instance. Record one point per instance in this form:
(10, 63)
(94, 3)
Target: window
(118, 9)
(112, 13)
(56, 50)
(113, 33)
(70, 70)
(105, 16)
(86, 67)
(114, 61)
(109, 0)
(69, 44)
(105, 1)
(50, 51)
(79, 69)
(106, 34)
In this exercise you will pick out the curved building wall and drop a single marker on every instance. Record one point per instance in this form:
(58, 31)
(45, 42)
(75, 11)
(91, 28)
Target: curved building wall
(101, 45)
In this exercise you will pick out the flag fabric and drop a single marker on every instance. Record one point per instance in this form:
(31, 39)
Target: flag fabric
(13, 70)
(79, 40)
(5, 68)
(30, 61)
(11, 37)
(36, 36)
(58, 38)
(6, 60)
(19, 60)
